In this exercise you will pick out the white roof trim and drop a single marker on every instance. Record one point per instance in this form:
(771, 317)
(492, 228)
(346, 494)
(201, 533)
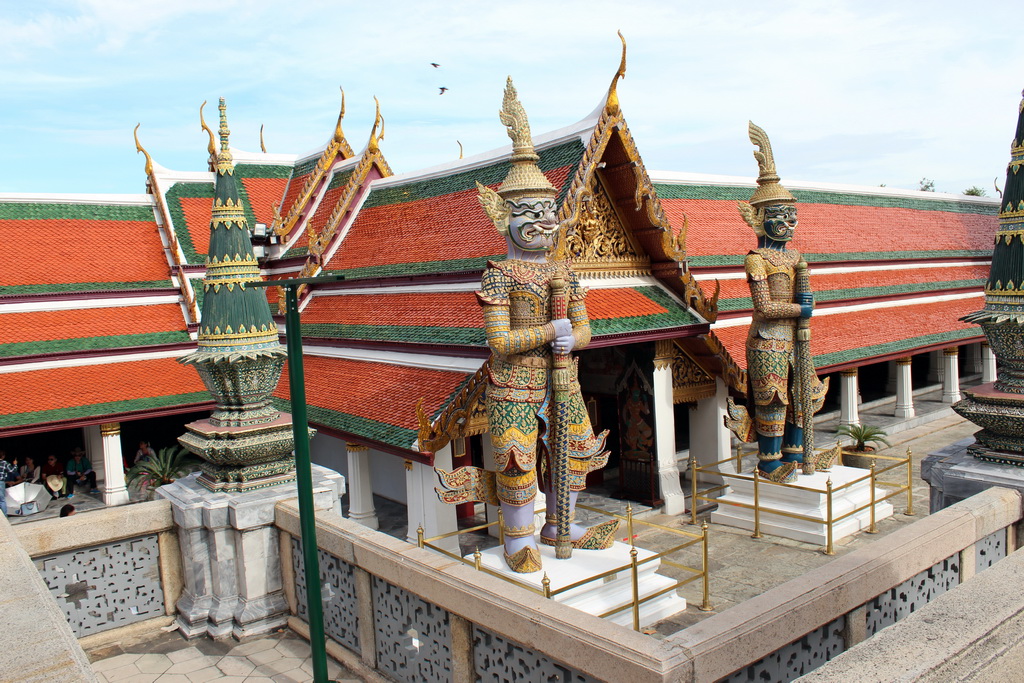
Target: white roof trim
(680, 178)
(52, 198)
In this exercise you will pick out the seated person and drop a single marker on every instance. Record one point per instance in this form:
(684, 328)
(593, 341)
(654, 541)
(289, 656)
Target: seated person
(30, 472)
(144, 453)
(54, 480)
(80, 472)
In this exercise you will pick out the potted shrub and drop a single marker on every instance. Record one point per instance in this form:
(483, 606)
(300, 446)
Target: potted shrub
(856, 455)
(168, 464)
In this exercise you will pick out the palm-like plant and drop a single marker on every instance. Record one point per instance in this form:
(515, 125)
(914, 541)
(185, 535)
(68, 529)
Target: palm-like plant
(862, 435)
(168, 464)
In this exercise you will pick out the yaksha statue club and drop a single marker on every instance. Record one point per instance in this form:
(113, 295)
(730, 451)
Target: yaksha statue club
(534, 317)
(784, 390)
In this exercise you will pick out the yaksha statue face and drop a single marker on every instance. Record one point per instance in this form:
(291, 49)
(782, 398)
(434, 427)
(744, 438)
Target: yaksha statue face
(532, 224)
(780, 222)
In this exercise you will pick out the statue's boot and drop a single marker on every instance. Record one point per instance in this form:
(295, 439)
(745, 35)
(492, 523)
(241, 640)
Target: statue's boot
(598, 537)
(521, 553)
(793, 444)
(770, 462)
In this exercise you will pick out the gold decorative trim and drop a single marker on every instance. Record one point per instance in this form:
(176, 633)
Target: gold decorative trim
(849, 372)
(140, 148)
(951, 351)
(581, 192)
(464, 416)
(338, 146)
(906, 360)
(356, 447)
(732, 374)
(211, 146)
(110, 428)
(690, 381)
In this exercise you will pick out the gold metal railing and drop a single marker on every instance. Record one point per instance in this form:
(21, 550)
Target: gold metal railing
(633, 566)
(894, 489)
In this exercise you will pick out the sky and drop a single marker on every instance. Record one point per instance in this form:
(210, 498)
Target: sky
(859, 92)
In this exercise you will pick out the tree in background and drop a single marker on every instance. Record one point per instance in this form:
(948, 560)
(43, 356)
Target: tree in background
(927, 185)
(975, 191)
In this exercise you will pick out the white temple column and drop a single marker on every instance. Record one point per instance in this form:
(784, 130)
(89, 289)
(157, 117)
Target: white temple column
(988, 363)
(974, 359)
(936, 368)
(114, 490)
(709, 437)
(665, 431)
(951, 372)
(904, 389)
(424, 507)
(360, 488)
(849, 398)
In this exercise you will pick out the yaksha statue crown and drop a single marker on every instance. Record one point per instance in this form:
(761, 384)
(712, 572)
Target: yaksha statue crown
(534, 316)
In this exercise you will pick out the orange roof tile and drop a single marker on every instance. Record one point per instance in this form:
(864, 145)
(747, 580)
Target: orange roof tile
(264, 193)
(91, 322)
(80, 250)
(55, 388)
(198, 214)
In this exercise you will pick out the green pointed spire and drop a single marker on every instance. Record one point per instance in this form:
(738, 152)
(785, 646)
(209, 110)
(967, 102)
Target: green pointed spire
(236, 318)
(1004, 294)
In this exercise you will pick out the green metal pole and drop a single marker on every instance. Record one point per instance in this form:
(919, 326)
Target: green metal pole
(304, 482)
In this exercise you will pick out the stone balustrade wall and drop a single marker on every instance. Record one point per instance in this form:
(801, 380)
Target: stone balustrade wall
(396, 612)
(108, 568)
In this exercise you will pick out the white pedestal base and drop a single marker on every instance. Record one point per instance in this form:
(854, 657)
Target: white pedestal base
(599, 596)
(813, 504)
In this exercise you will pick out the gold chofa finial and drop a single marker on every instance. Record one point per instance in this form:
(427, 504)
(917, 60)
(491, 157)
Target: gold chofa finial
(525, 178)
(374, 144)
(263, 146)
(140, 148)
(211, 147)
(338, 134)
(612, 105)
(225, 163)
(460, 149)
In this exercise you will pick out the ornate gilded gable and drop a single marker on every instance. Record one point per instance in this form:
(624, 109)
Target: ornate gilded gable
(600, 243)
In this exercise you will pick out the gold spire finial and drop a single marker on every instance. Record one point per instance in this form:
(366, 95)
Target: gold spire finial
(338, 134)
(211, 147)
(263, 146)
(225, 163)
(612, 104)
(140, 148)
(374, 144)
(525, 178)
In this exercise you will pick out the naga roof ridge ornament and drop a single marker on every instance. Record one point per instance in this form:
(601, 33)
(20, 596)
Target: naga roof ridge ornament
(769, 190)
(211, 146)
(612, 101)
(140, 148)
(339, 135)
(373, 144)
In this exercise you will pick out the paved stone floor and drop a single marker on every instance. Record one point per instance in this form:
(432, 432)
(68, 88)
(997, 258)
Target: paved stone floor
(168, 658)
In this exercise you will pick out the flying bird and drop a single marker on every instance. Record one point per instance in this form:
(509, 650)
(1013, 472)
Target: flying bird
(442, 91)
(434, 64)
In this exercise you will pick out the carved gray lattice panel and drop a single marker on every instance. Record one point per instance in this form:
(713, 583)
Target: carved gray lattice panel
(498, 660)
(796, 659)
(989, 550)
(106, 586)
(338, 590)
(912, 594)
(414, 642)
